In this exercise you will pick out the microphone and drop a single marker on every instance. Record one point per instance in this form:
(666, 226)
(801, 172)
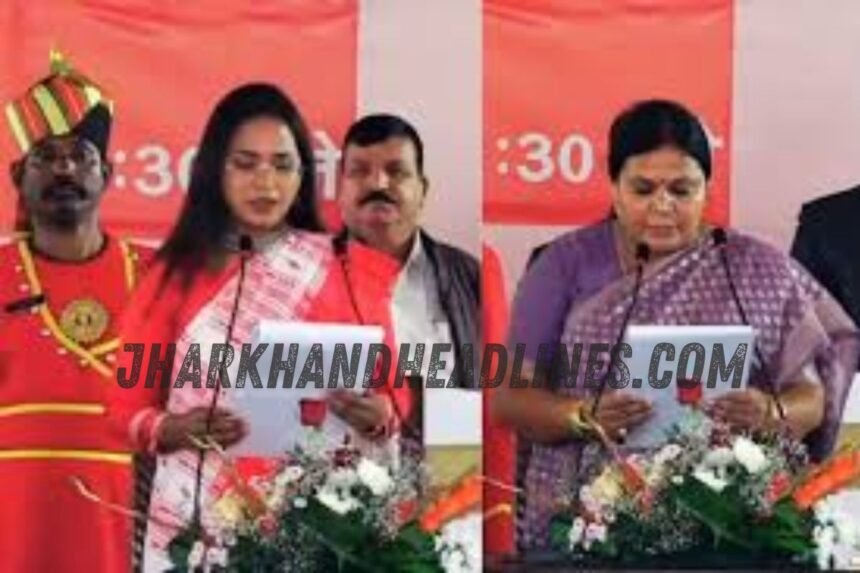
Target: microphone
(720, 241)
(643, 253)
(246, 244)
(24, 304)
(246, 248)
(339, 246)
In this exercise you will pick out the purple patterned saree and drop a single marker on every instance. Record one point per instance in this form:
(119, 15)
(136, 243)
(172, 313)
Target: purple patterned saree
(798, 325)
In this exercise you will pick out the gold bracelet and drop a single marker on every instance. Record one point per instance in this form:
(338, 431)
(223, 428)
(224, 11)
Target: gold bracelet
(772, 418)
(580, 421)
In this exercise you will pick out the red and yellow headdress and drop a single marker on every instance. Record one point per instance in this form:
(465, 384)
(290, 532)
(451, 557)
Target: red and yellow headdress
(66, 101)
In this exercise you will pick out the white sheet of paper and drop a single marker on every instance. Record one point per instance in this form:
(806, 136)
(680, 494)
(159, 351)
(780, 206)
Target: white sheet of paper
(666, 410)
(452, 417)
(273, 414)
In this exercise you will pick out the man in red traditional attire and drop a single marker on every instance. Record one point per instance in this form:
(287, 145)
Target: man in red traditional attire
(63, 285)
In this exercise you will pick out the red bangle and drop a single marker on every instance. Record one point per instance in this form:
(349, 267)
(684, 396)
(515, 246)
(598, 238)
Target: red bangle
(152, 442)
(139, 428)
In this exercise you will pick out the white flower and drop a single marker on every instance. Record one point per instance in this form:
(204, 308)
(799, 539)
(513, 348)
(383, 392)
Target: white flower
(300, 502)
(342, 478)
(228, 538)
(749, 455)
(710, 479)
(375, 477)
(825, 540)
(195, 556)
(216, 556)
(595, 532)
(340, 504)
(719, 457)
(458, 544)
(824, 511)
(667, 453)
(574, 536)
(677, 479)
(590, 504)
(844, 528)
(658, 470)
(290, 475)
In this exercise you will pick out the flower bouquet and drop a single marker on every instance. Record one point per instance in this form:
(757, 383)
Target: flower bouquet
(321, 510)
(709, 497)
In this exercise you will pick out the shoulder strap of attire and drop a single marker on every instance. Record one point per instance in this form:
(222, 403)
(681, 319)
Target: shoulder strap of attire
(138, 257)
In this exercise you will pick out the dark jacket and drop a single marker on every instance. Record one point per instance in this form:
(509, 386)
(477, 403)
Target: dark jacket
(827, 243)
(459, 289)
(458, 280)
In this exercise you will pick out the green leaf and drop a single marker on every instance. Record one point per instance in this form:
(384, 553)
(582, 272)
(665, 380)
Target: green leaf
(723, 513)
(180, 547)
(559, 533)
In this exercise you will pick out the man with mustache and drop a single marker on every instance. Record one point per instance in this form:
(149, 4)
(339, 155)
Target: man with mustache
(381, 196)
(63, 284)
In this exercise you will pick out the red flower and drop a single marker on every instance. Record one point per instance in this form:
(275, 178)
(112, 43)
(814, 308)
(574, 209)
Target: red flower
(406, 510)
(778, 487)
(268, 526)
(259, 469)
(346, 456)
(646, 500)
(313, 412)
(689, 391)
(632, 477)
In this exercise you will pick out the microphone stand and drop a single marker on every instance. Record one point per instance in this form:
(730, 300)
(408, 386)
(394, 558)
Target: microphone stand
(643, 253)
(246, 247)
(721, 240)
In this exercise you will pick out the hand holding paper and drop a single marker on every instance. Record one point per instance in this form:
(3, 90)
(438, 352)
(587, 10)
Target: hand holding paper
(365, 413)
(273, 412)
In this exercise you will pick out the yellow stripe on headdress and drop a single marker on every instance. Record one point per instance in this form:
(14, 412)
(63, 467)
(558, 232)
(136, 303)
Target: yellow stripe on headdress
(17, 128)
(51, 109)
(54, 105)
(92, 94)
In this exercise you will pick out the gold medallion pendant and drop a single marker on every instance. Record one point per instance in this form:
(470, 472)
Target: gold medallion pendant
(84, 320)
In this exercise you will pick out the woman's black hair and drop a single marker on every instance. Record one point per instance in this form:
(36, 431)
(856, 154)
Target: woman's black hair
(205, 218)
(652, 124)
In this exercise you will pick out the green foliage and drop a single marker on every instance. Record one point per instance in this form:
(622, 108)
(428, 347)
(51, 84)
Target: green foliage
(315, 539)
(690, 524)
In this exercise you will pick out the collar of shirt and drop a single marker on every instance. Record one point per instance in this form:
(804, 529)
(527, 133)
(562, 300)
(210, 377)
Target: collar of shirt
(415, 290)
(417, 260)
(416, 310)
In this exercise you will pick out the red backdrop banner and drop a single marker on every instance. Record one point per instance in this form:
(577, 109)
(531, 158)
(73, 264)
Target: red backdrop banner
(557, 72)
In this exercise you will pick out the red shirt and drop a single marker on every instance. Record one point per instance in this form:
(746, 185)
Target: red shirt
(53, 425)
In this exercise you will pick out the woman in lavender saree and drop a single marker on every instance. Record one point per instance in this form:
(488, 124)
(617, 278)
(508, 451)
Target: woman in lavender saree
(579, 290)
